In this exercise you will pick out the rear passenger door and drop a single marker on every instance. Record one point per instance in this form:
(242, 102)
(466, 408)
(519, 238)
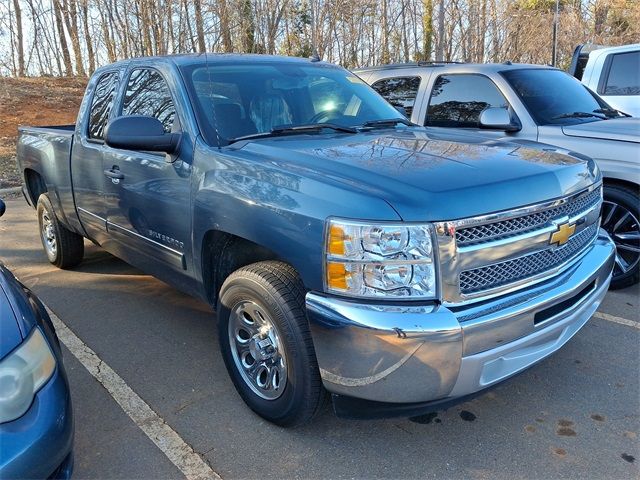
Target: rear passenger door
(148, 208)
(88, 148)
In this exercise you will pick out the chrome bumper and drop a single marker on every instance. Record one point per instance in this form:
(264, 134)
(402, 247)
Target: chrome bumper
(408, 353)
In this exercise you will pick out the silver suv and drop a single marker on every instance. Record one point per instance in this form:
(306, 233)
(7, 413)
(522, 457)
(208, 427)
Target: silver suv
(524, 103)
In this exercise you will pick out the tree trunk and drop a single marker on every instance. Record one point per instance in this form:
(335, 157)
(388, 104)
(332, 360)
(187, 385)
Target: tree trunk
(84, 6)
(427, 29)
(202, 46)
(71, 22)
(225, 31)
(385, 57)
(440, 41)
(19, 38)
(57, 10)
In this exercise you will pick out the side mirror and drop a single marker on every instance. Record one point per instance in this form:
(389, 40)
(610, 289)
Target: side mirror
(2, 207)
(498, 118)
(138, 132)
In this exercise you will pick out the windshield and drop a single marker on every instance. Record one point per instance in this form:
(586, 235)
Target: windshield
(554, 97)
(243, 99)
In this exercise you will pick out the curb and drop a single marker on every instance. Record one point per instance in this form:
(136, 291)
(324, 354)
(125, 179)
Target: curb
(4, 191)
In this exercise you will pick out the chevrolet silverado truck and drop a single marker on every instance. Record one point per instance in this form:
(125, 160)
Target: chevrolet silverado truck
(343, 248)
(521, 103)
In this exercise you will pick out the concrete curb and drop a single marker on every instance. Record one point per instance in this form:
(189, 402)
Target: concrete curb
(4, 191)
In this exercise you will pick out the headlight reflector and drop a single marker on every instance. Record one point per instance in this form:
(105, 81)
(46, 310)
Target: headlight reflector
(381, 260)
(22, 373)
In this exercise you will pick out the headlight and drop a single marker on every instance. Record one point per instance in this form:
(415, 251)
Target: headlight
(22, 373)
(382, 260)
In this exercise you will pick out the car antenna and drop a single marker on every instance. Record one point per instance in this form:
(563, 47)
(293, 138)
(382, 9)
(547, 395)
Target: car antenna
(213, 108)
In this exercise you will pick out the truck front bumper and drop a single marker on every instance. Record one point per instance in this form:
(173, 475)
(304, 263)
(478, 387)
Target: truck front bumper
(432, 355)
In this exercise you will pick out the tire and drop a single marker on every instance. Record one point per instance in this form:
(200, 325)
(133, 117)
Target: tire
(620, 218)
(270, 293)
(63, 247)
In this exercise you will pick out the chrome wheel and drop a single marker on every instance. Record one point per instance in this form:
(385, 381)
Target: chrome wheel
(257, 350)
(624, 229)
(48, 234)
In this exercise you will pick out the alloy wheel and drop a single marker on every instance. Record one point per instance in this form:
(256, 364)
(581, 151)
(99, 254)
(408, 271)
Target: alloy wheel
(624, 229)
(257, 350)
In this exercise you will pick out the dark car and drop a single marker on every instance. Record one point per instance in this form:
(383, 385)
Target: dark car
(36, 420)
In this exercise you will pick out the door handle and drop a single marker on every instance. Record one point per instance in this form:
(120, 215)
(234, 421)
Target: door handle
(114, 173)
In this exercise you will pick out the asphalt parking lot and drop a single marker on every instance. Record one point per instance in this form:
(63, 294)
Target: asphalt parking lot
(575, 415)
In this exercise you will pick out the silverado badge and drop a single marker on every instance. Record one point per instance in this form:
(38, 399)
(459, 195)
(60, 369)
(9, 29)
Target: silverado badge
(563, 234)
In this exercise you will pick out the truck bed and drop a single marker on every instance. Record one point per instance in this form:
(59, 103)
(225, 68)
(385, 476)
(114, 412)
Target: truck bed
(45, 153)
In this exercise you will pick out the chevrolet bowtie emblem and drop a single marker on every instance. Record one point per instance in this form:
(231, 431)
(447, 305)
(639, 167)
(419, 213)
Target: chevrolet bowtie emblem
(563, 234)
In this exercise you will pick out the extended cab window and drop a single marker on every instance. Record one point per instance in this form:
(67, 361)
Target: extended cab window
(101, 104)
(147, 94)
(458, 100)
(624, 75)
(399, 91)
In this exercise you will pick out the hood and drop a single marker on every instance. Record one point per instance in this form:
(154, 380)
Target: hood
(16, 315)
(428, 176)
(623, 129)
(10, 336)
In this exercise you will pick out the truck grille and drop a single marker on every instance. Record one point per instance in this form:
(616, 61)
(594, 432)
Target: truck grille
(504, 273)
(490, 232)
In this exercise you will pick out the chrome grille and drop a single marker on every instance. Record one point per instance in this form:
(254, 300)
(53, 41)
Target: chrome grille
(504, 273)
(515, 226)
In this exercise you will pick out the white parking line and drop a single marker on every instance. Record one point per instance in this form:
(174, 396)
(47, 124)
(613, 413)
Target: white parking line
(614, 319)
(166, 439)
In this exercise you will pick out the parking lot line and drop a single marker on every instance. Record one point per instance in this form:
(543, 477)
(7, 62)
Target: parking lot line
(614, 319)
(162, 435)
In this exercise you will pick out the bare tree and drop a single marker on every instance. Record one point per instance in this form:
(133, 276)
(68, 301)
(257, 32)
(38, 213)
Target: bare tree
(17, 10)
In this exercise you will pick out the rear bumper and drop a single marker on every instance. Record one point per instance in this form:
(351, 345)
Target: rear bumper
(419, 355)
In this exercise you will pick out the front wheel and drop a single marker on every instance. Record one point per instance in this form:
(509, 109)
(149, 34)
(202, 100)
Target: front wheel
(620, 215)
(63, 247)
(266, 343)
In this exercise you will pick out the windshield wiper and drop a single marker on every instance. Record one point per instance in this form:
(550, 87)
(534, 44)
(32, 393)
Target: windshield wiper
(287, 130)
(607, 111)
(387, 122)
(579, 115)
(314, 127)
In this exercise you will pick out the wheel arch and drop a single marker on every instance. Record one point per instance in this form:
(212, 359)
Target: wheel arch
(223, 253)
(35, 185)
(620, 182)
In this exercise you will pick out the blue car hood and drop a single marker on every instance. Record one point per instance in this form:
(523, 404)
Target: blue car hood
(10, 335)
(432, 175)
(16, 315)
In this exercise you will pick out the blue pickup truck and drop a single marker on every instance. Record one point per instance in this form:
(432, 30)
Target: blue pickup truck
(398, 267)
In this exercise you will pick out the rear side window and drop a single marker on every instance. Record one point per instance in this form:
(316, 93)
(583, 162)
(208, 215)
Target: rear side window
(101, 104)
(399, 91)
(147, 94)
(458, 100)
(624, 75)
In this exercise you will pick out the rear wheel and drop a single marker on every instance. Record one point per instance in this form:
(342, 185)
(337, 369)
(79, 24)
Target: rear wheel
(266, 343)
(620, 215)
(63, 247)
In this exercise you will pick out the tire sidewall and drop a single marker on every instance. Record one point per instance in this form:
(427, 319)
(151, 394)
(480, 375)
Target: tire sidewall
(45, 205)
(282, 408)
(629, 201)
